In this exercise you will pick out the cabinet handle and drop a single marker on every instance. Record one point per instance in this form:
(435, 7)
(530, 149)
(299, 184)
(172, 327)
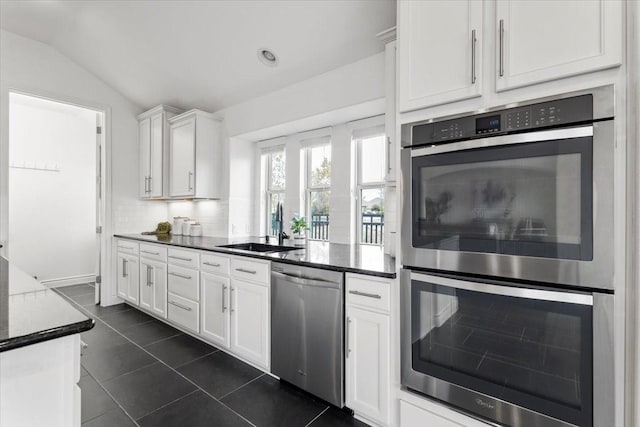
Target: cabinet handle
(473, 56)
(150, 183)
(231, 300)
(149, 275)
(347, 338)
(149, 252)
(242, 270)
(388, 154)
(212, 264)
(180, 258)
(501, 71)
(184, 276)
(223, 307)
(184, 307)
(127, 247)
(124, 268)
(190, 177)
(365, 294)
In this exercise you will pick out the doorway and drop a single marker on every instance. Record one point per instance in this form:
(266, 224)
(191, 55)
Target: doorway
(55, 190)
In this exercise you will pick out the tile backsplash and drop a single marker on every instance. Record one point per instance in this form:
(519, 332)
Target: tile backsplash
(211, 214)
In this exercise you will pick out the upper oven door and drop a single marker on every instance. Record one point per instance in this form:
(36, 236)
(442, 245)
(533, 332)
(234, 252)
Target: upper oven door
(535, 206)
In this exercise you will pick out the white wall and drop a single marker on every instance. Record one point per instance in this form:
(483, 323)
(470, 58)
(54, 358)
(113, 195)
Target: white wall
(36, 68)
(58, 202)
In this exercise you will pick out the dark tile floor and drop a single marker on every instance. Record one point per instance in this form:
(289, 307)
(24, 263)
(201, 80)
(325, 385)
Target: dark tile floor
(139, 371)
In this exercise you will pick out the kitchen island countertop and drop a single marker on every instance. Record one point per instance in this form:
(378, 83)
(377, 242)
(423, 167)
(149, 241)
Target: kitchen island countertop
(362, 259)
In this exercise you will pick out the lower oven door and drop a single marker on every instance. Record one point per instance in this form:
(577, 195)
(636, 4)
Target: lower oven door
(518, 356)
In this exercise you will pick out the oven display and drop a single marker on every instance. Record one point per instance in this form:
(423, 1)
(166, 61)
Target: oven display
(487, 124)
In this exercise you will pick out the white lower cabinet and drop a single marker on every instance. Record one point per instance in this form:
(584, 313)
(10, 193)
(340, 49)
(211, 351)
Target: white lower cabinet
(249, 303)
(128, 281)
(367, 363)
(214, 303)
(183, 311)
(153, 286)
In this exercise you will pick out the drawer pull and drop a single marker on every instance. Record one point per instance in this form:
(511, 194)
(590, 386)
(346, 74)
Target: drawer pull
(184, 307)
(184, 276)
(127, 247)
(181, 258)
(242, 270)
(365, 294)
(212, 264)
(149, 252)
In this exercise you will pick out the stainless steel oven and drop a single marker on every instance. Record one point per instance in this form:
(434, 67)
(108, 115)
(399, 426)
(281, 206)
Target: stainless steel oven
(515, 355)
(522, 192)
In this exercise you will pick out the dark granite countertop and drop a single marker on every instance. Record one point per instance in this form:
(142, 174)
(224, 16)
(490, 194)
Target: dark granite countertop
(31, 312)
(362, 259)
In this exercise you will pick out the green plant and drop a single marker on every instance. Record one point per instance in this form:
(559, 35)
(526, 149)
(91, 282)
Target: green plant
(299, 224)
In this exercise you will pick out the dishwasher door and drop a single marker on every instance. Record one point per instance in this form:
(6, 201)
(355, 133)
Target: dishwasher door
(307, 325)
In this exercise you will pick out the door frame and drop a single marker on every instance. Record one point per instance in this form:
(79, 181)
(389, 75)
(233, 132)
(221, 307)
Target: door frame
(105, 295)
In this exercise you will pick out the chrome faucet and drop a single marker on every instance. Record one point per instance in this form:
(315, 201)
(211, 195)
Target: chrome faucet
(280, 220)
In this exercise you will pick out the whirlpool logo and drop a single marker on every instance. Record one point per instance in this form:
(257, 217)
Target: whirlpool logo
(486, 405)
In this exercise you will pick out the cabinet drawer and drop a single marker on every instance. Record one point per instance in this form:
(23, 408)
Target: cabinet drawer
(216, 264)
(413, 416)
(128, 247)
(368, 292)
(183, 258)
(183, 281)
(154, 252)
(247, 269)
(184, 312)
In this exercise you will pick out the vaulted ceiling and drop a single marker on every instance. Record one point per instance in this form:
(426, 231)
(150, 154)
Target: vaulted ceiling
(203, 54)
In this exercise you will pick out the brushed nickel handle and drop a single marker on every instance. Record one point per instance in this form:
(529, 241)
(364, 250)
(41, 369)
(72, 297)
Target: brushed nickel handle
(473, 56)
(223, 306)
(149, 275)
(212, 264)
(126, 247)
(243, 270)
(124, 268)
(365, 294)
(184, 307)
(180, 258)
(388, 154)
(149, 252)
(190, 177)
(348, 327)
(184, 276)
(231, 300)
(150, 184)
(501, 71)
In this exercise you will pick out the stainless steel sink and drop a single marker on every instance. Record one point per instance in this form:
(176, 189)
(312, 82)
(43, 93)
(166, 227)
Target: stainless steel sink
(260, 247)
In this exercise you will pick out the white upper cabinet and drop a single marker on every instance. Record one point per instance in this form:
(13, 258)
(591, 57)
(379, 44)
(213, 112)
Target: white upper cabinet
(439, 52)
(539, 41)
(195, 152)
(153, 137)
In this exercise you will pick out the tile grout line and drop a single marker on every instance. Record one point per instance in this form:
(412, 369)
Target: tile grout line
(169, 403)
(238, 388)
(196, 359)
(317, 416)
(178, 373)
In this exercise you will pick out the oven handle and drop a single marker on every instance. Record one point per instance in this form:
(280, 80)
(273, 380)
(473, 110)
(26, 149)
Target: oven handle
(520, 138)
(537, 294)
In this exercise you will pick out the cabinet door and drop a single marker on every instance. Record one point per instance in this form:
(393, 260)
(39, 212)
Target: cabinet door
(144, 139)
(128, 277)
(155, 168)
(542, 41)
(153, 286)
(146, 288)
(250, 321)
(122, 280)
(440, 52)
(214, 308)
(367, 364)
(182, 157)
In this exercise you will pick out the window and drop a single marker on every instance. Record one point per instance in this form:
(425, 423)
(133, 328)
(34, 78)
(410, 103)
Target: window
(370, 172)
(273, 164)
(318, 161)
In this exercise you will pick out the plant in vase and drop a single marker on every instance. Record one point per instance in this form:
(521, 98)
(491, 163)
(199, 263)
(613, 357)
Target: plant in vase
(298, 226)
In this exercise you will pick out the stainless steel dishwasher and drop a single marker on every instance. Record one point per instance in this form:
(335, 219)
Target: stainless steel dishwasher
(307, 324)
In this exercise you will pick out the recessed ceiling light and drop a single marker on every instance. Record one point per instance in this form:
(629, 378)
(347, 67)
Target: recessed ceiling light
(267, 57)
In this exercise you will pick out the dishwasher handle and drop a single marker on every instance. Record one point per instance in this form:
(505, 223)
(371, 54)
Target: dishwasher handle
(306, 281)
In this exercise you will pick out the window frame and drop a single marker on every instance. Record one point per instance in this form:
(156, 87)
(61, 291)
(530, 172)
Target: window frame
(309, 188)
(372, 185)
(269, 188)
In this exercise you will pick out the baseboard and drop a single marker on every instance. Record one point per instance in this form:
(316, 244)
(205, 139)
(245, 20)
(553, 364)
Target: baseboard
(68, 281)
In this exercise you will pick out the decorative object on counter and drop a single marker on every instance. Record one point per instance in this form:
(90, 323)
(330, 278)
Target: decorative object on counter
(177, 224)
(162, 228)
(298, 226)
(186, 227)
(196, 229)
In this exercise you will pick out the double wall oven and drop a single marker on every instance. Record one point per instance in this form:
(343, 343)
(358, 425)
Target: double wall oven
(507, 281)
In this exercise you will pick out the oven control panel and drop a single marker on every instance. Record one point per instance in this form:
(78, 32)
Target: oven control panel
(561, 112)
